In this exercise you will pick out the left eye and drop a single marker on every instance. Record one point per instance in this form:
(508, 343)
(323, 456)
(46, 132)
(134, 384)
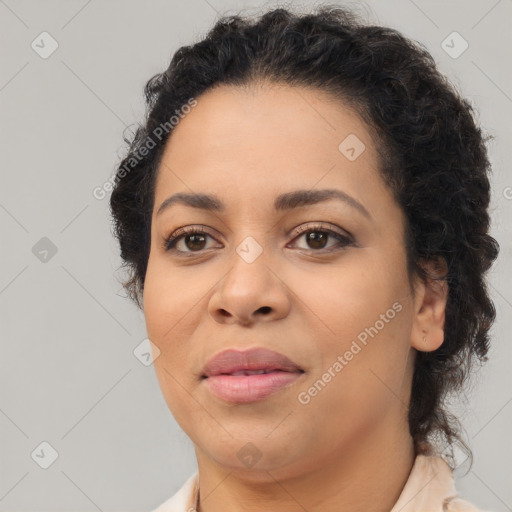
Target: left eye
(316, 237)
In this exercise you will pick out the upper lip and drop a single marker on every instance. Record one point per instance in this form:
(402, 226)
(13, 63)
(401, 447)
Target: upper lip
(231, 360)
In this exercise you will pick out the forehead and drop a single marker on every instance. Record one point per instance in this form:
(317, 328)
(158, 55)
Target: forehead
(251, 143)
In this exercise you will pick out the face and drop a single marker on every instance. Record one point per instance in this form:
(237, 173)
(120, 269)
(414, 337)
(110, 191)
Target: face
(322, 282)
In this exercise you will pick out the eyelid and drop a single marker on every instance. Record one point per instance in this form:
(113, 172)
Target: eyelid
(321, 226)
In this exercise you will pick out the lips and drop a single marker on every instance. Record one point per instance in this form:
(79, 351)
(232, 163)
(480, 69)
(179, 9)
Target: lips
(247, 376)
(247, 362)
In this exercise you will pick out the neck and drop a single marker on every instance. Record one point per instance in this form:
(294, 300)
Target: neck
(367, 475)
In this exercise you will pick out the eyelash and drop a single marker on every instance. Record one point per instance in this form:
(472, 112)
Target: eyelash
(171, 241)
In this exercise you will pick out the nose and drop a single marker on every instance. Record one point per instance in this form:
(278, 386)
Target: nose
(249, 292)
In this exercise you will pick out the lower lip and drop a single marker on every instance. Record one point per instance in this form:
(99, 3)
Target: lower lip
(244, 389)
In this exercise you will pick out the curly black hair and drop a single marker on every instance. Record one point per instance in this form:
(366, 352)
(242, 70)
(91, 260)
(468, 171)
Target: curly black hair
(432, 154)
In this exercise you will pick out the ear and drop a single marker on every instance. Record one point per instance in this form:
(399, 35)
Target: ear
(430, 299)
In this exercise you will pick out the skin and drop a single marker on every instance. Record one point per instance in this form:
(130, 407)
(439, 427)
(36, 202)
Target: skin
(350, 444)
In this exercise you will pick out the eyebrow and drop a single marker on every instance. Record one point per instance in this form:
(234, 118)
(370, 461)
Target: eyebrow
(283, 202)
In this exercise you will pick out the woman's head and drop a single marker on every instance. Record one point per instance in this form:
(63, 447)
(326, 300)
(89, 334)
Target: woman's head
(262, 108)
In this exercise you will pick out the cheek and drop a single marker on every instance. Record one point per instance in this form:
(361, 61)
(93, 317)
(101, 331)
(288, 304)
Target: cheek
(366, 319)
(172, 311)
(169, 315)
(170, 302)
(347, 299)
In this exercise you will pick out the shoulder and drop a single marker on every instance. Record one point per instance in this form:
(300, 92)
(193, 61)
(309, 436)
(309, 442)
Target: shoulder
(182, 501)
(457, 504)
(431, 487)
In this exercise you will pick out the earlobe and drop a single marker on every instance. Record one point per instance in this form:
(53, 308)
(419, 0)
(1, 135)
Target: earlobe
(427, 332)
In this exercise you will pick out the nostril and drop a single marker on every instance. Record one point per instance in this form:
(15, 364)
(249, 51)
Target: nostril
(265, 309)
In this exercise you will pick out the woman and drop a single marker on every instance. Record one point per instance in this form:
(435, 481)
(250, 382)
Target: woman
(304, 217)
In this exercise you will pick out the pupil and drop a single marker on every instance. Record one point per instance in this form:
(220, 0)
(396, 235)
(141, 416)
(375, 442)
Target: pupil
(315, 237)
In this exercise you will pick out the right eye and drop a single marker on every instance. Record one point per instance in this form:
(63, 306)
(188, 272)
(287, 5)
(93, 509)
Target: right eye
(187, 240)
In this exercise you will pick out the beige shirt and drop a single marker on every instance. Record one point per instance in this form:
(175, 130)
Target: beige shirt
(429, 488)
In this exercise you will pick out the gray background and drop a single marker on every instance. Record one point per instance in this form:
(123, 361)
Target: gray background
(68, 375)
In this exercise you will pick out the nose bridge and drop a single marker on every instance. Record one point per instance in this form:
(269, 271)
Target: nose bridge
(250, 287)
(251, 264)
(250, 272)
